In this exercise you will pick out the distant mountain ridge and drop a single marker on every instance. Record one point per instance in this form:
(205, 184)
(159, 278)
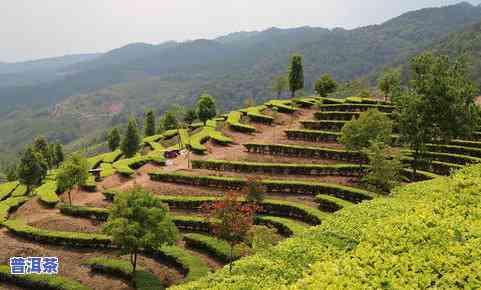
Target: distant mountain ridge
(230, 67)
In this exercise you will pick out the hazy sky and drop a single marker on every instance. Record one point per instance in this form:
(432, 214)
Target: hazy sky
(42, 28)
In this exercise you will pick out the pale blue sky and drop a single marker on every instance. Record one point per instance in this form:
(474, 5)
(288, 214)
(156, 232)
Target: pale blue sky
(43, 28)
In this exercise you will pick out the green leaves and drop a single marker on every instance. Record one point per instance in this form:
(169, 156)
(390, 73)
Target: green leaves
(131, 142)
(296, 74)
(371, 125)
(32, 168)
(113, 139)
(138, 220)
(325, 85)
(206, 108)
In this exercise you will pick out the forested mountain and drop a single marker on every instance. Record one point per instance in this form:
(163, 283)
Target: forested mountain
(100, 91)
(38, 71)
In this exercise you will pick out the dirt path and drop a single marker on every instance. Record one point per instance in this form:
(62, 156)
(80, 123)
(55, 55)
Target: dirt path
(71, 259)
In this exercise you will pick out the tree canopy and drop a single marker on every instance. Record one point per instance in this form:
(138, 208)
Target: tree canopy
(279, 84)
(131, 142)
(137, 221)
(296, 74)
(371, 125)
(72, 174)
(149, 125)
(390, 84)
(325, 85)
(206, 108)
(32, 168)
(113, 139)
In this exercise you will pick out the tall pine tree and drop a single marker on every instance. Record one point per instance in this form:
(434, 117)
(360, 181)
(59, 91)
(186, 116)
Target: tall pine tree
(131, 142)
(296, 74)
(113, 139)
(149, 123)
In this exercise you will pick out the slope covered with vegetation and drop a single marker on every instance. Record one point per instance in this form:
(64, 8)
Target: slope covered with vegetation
(100, 92)
(426, 235)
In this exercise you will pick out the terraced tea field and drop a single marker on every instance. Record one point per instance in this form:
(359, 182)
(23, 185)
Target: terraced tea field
(294, 151)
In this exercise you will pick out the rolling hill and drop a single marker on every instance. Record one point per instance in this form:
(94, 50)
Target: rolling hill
(96, 93)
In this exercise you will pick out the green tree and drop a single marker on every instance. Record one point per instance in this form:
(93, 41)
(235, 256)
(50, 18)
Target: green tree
(371, 126)
(113, 139)
(149, 123)
(448, 94)
(40, 144)
(11, 172)
(56, 154)
(32, 168)
(438, 106)
(138, 221)
(413, 128)
(206, 108)
(390, 84)
(325, 85)
(384, 167)
(190, 116)
(254, 191)
(131, 142)
(169, 121)
(262, 238)
(72, 174)
(296, 74)
(279, 84)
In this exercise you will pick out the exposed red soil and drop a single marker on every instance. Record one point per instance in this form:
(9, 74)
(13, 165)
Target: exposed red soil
(37, 215)
(71, 262)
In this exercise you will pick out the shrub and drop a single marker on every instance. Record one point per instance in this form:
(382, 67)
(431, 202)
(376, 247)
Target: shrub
(279, 168)
(282, 106)
(192, 266)
(9, 205)
(126, 166)
(388, 242)
(35, 281)
(269, 206)
(285, 227)
(120, 268)
(85, 212)
(73, 239)
(217, 248)
(7, 188)
(273, 186)
(346, 107)
(21, 190)
(47, 193)
(329, 203)
(384, 168)
(255, 115)
(234, 121)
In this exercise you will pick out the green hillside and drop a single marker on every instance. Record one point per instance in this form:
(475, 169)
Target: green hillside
(101, 92)
(429, 228)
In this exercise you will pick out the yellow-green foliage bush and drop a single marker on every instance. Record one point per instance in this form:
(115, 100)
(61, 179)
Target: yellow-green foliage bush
(7, 188)
(43, 281)
(47, 193)
(9, 205)
(234, 121)
(21, 190)
(204, 135)
(427, 235)
(126, 166)
(107, 170)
